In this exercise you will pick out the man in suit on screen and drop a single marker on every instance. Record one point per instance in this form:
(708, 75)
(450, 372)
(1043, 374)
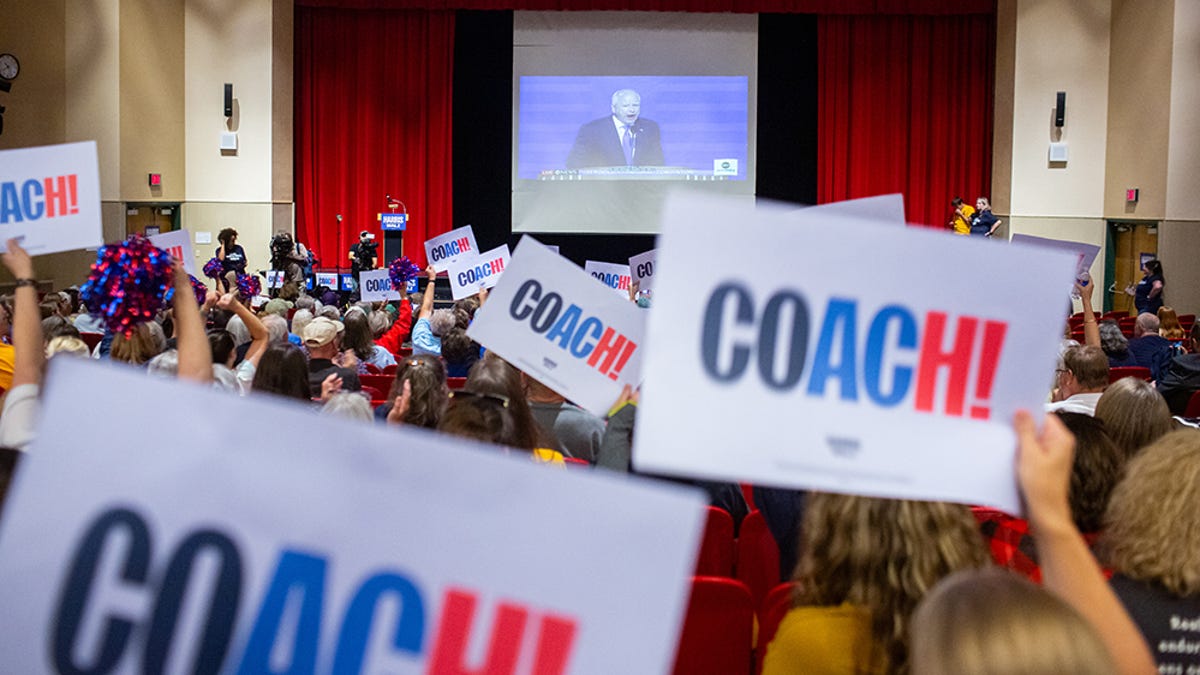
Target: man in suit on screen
(624, 138)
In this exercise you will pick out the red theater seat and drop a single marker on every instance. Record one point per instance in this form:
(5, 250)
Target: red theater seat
(716, 548)
(770, 614)
(91, 339)
(381, 383)
(757, 561)
(717, 629)
(1193, 406)
(1127, 324)
(1118, 372)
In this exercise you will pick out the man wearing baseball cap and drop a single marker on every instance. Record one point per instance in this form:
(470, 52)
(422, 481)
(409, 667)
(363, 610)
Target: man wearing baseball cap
(322, 337)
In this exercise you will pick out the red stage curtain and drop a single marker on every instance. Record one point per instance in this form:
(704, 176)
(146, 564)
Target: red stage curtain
(372, 118)
(905, 105)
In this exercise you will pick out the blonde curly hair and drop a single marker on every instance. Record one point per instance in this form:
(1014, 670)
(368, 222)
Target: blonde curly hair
(882, 555)
(1152, 526)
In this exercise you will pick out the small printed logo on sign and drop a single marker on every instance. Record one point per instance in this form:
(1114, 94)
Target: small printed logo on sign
(550, 365)
(725, 167)
(843, 447)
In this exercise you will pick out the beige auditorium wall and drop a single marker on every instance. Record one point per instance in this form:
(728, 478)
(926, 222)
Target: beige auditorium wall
(1139, 100)
(232, 42)
(152, 105)
(1059, 45)
(1002, 111)
(32, 30)
(1179, 249)
(51, 103)
(1179, 235)
(92, 98)
(1183, 156)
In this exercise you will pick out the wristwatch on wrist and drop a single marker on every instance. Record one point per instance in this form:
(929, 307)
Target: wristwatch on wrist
(26, 282)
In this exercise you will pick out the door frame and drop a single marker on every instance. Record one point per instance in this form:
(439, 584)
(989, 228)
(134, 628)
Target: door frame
(1112, 227)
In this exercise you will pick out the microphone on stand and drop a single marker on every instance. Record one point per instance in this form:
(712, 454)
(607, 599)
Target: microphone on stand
(338, 256)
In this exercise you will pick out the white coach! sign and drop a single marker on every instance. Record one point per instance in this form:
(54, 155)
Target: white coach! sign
(641, 268)
(50, 198)
(445, 249)
(468, 276)
(376, 286)
(614, 275)
(334, 547)
(553, 321)
(179, 244)
(858, 373)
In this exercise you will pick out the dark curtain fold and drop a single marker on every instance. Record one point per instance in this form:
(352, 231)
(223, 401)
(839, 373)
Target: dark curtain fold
(905, 105)
(372, 118)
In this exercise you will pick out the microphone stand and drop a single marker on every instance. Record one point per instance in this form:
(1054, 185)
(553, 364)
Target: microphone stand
(338, 255)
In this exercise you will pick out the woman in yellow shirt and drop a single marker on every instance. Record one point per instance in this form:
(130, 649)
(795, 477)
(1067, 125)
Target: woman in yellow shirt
(864, 565)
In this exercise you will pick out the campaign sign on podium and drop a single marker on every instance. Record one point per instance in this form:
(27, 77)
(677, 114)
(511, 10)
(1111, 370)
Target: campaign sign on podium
(393, 222)
(553, 321)
(327, 545)
(866, 373)
(376, 286)
(50, 198)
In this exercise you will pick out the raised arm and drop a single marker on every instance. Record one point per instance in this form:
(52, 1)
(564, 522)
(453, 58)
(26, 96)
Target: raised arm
(195, 356)
(401, 327)
(258, 332)
(1091, 329)
(28, 351)
(427, 299)
(1068, 568)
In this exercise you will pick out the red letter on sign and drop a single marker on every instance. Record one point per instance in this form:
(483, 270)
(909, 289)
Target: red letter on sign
(933, 359)
(454, 632)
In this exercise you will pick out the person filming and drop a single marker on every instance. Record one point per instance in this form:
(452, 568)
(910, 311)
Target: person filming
(364, 253)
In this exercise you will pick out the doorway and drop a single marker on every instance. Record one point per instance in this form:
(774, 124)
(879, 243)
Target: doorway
(148, 219)
(1130, 244)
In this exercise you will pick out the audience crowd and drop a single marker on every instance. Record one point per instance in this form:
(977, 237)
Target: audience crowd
(1100, 575)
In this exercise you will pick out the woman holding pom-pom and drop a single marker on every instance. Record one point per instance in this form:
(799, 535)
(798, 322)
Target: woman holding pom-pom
(232, 257)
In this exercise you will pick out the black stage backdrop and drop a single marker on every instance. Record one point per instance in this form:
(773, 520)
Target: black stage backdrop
(482, 166)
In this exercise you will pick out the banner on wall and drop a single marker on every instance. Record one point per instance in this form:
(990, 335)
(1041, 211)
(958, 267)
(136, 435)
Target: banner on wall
(50, 198)
(303, 559)
(470, 275)
(445, 249)
(554, 322)
(860, 373)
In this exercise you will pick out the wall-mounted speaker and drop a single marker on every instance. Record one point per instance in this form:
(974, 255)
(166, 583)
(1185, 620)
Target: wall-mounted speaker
(229, 100)
(1060, 108)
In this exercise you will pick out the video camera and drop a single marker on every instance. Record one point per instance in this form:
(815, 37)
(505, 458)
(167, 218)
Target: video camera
(282, 246)
(366, 252)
